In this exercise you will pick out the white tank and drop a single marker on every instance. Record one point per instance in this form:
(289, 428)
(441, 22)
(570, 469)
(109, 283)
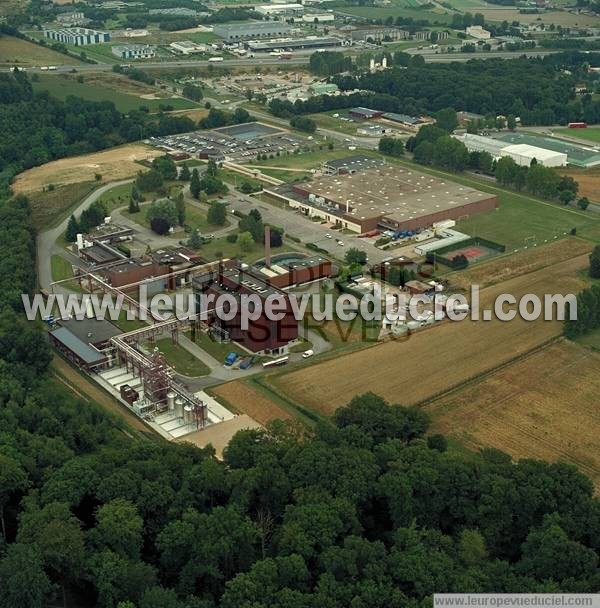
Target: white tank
(188, 416)
(171, 400)
(179, 406)
(413, 325)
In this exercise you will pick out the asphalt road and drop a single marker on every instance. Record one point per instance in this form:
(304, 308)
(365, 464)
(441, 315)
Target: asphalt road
(430, 57)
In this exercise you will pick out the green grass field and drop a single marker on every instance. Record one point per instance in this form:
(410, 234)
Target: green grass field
(61, 86)
(218, 350)
(520, 219)
(308, 160)
(180, 359)
(374, 12)
(591, 133)
(591, 340)
(14, 51)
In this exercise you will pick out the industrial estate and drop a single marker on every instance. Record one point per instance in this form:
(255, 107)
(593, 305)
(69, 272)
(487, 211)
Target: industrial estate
(180, 159)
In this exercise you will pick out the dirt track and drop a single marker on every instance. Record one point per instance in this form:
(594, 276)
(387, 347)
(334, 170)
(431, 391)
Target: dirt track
(433, 360)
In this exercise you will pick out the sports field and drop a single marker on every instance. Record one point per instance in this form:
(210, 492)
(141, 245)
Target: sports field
(576, 154)
(126, 94)
(433, 360)
(544, 406)
(590, 133)
(17, 52)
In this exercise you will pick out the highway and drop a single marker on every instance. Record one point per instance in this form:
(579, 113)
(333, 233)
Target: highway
(297, 59)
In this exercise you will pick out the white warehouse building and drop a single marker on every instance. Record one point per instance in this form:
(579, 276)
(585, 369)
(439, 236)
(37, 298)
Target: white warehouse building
(522, 154)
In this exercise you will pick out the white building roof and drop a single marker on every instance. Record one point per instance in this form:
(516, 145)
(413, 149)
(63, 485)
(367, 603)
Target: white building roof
(540, 154)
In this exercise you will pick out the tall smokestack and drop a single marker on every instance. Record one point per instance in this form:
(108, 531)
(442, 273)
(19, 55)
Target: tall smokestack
(268, 246)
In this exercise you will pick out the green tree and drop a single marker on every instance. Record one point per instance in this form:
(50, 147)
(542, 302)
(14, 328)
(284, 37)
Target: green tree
(583, 203)
(195, 240)
(185, 174)
(245, 242)
(72, 229)
(446, 119)
(391, 146)
(217, 214)
(24, 582)
(119, 528)
(13, 481)
(355, 256)
(180, 207)
(164, 209)
(595, 263)
(195, 184)
(166, 166)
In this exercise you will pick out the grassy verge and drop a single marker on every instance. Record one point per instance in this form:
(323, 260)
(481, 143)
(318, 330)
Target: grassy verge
(218, 350)
(181, 360)
(49, 208)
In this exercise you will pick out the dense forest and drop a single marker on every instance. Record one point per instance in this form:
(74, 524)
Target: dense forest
(539, 91)
(37, 128)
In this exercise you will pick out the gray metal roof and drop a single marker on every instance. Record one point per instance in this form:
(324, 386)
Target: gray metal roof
(91, 330)
(82, 350)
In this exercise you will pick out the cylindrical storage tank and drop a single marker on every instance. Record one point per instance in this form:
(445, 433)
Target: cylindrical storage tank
(179, 406)
(188, 415)
(171, 400)
(413, 325)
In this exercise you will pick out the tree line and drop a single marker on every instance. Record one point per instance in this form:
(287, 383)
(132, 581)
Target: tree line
(37, 128)
(538, 90)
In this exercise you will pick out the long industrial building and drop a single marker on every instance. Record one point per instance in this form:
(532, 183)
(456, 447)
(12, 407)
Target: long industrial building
(523, 154)
(77, 36)
(294, 44)
(386, 197)
(249, 30)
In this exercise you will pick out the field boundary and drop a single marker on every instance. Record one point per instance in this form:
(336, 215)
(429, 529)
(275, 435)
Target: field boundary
(488, 372)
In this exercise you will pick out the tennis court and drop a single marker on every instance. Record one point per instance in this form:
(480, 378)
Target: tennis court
(473, 253)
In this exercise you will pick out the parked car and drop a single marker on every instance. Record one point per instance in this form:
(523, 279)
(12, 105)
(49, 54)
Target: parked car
(328, 236)
(308, 353)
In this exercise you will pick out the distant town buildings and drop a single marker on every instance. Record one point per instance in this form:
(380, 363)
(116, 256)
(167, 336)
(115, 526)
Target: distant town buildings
(187, 47)
(134, 51)
(77, 36)
(476, 31)
(280, 10)
(249, 30)
(72, 19)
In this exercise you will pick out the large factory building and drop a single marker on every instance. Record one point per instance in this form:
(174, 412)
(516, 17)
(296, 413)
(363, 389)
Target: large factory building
(386, 197)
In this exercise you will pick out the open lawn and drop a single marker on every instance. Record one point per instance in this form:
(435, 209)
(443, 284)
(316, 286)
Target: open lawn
(128, 325)
(591, 133)
(126, 94)
(17, 52)
(218, 350)
(113, 165)
(544, 406)
(374, 12)
(180, 359)
(306, 160)
(434, 360)
(61, 268)
(226, 249)
(51, 206)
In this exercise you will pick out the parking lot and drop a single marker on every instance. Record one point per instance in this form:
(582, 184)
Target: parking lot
(298, 225)
(230, 143)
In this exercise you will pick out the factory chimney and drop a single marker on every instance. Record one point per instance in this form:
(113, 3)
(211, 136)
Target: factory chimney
(267, 246)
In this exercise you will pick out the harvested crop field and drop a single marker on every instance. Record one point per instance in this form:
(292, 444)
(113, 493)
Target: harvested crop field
(588, 180)
(436, 359)
(511, 266)
(15, 51)
(112, 165)
(248, 399)
(544, 406)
